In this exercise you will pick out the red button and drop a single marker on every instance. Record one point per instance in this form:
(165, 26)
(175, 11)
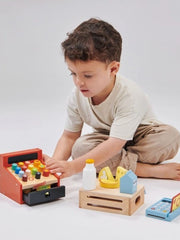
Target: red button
(27, 163)
(24, 168)
(46, 173)
(24, 178)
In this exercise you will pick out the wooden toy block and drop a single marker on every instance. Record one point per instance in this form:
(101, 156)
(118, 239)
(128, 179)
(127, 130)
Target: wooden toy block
(111, 200)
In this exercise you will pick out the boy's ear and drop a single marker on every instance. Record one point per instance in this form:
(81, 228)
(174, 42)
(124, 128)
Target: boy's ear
(114, 67)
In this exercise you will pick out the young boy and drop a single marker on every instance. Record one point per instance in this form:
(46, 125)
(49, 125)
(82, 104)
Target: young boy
(126, 131)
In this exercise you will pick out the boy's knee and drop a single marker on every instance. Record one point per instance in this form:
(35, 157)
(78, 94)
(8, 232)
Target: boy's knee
(173, 133)
(86, 143)
(164, 147)
(81, 147)
(77, 148)
(168, 147)
(174, 137)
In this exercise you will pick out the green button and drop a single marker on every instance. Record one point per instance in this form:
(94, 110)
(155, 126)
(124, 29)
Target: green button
(14, 166)
(34, 171)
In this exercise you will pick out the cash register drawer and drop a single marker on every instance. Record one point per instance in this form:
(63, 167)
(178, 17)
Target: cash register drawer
(43, 196)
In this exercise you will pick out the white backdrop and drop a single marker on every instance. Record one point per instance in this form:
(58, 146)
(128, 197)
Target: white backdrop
(35, 83)
(34, 80)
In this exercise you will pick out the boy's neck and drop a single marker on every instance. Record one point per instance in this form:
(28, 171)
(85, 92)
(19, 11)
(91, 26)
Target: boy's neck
(96, 100)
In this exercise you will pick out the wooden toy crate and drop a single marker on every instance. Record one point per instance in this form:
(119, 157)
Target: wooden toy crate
(111, 200)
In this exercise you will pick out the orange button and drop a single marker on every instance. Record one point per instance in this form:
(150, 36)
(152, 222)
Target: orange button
(41, 167)
(37, 163)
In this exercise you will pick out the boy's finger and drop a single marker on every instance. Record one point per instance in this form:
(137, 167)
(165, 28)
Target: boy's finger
(63, 175)
(46, 157)
(55, 169)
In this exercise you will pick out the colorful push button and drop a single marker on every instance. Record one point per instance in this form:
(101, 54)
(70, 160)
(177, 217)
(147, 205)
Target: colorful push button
(34, 171)
(14, 166)
(21, 173)
(17, 170)
(28, 172)
(41, 167)
(24, 178)
(24, 168)
(30, 166)
(37, 163)
(20, 164)
(46, 173)
(27, 163)
(38, 175)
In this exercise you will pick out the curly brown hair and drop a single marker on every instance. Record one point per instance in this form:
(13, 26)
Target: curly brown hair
(93, 39)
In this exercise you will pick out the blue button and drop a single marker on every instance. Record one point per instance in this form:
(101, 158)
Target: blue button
(17, 170)
(21, 173)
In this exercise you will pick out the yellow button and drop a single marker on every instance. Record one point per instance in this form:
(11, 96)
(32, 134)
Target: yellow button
(30, 166)
(20, 164)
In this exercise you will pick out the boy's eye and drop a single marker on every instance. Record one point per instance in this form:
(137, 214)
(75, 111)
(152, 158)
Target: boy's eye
(87, 76)
(72, 74)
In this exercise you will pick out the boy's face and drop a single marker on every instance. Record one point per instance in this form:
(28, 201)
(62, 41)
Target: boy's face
(94, 79)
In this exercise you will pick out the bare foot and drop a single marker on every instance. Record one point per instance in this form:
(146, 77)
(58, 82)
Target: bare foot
(164, 171)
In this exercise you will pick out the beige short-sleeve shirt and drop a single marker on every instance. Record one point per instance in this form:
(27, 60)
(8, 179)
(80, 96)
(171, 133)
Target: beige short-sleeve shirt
(120, 113)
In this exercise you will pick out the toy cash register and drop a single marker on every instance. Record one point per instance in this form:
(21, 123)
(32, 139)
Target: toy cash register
(25, 179)
(166, 209)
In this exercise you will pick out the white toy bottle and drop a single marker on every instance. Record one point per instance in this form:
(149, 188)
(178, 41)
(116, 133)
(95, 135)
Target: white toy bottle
(89, 175)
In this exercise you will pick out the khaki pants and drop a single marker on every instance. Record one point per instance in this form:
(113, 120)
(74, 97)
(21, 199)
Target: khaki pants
(151, 144)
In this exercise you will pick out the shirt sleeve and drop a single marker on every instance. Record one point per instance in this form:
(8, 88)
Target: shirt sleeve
(73, 122)
(128, 118)
(125, 127)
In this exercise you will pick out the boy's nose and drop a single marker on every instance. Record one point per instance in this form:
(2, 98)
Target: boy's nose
(79, 82)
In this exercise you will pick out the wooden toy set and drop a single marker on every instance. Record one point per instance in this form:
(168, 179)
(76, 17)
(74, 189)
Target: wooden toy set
(25, 179)
(165, 209)
(111, 200)
(123, 195)
(117, 195)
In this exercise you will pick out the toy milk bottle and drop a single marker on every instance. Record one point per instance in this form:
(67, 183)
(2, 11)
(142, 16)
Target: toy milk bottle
(89, 175)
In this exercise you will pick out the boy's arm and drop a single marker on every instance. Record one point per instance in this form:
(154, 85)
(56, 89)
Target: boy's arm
(63, 148)
(100, 154)
(64, 145)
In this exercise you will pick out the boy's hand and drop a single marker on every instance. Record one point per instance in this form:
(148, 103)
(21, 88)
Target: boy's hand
(46, 158)
(56, 166)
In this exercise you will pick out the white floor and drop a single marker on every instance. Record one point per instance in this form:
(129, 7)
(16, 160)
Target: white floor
(64, 219)
(34, 85)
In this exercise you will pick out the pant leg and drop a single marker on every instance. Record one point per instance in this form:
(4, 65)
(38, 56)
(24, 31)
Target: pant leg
(151, 144)
(155, 143)
(87, 142)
